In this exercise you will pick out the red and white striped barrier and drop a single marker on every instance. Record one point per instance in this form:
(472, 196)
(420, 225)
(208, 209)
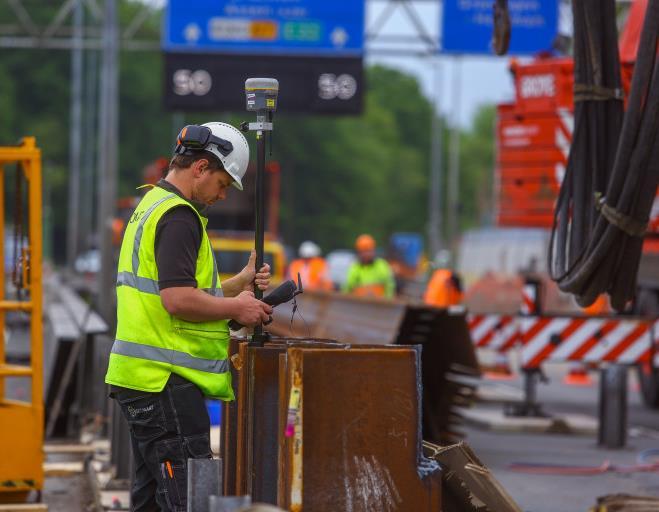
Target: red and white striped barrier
(586, 339)
(529, 299)
(496, 332)
(563, 139)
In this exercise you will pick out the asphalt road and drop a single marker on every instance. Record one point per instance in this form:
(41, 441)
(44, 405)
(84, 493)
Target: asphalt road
(569, 493)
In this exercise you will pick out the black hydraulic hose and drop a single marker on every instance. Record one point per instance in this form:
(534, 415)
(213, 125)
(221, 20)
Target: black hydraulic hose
(606, 196)
(597, 125)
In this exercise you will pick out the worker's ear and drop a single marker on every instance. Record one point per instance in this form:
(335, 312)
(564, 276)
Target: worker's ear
(199, 167)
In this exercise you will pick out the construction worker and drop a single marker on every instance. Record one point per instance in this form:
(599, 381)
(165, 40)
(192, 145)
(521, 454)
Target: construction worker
(444, 288)
(311, 267)
(369, 276)
(171, 345)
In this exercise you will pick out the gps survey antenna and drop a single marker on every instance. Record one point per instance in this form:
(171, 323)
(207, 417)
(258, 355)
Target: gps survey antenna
(261, 96)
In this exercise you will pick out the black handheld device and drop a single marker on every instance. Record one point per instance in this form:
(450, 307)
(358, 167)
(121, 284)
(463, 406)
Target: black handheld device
(283, 293)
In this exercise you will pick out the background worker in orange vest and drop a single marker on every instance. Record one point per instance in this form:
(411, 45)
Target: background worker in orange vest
(369, 276)
(311, 267)
(445, 287)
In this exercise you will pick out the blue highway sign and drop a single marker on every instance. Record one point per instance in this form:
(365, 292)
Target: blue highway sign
(334, 27)
(468, 24)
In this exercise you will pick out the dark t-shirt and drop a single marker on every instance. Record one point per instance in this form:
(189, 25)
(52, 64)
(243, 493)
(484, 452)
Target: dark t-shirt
(178, 238)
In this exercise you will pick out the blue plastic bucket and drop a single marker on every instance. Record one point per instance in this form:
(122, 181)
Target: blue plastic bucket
(214, 408)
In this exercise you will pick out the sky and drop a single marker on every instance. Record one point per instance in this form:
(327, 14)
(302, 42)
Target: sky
(482, 79)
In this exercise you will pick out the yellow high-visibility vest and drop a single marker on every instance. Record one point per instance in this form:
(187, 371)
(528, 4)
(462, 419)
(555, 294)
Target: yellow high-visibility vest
(150, 343)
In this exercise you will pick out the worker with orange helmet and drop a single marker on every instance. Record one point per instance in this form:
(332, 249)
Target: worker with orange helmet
(369, 276)
(311, 268)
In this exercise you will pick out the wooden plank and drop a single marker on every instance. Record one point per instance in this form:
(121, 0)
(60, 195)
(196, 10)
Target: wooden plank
(54, 469)
(24, 507)
(68, 448)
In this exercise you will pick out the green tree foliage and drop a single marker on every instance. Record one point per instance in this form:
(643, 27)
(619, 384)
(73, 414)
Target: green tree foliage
(370, 171)
(477, 169)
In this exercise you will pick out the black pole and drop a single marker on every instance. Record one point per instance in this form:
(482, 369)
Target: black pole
(260, 205)
(261, 96)
(259, 234)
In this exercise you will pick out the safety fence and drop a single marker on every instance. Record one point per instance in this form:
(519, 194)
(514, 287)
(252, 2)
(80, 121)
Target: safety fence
(560, 338)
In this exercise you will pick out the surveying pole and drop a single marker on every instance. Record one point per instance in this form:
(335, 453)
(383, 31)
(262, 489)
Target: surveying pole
(261, 96)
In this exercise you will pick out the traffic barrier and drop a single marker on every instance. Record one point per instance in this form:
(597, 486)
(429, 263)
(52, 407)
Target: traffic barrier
(586, 339)
(550, 338)
(496, 332)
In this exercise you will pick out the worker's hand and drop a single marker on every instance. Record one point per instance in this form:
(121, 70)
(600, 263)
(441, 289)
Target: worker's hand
(251, 311)
(248, 276)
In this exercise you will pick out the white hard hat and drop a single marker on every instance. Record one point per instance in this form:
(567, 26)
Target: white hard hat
(235, 163)
(309, 249)
(442, 258)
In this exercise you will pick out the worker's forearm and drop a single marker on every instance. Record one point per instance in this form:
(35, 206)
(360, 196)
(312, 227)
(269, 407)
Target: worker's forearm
(232, 286)
(194, 305)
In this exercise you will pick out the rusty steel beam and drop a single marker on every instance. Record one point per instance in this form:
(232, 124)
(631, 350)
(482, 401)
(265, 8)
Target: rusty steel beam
(249, 434)
(357, 440)
(340, 317)
(443, 335)
(446, 351)
(260, 464)
(258, 456)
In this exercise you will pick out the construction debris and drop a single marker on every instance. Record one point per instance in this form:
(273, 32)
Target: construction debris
(467, 485)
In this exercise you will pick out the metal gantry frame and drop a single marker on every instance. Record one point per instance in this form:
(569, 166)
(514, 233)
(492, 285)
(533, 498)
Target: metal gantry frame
(59, 32)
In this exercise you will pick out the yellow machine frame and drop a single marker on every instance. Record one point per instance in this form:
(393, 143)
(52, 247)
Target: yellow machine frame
(21, 423)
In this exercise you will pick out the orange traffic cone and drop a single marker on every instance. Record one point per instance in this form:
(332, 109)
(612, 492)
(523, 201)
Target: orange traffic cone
(500, 370)
(578, 376)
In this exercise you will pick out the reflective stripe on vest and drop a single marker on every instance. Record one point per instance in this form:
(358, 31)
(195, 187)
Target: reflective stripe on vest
(144, 284)
(175, 357)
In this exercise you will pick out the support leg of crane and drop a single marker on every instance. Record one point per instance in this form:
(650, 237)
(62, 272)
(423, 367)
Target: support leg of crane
(530, 406)
(612, 430)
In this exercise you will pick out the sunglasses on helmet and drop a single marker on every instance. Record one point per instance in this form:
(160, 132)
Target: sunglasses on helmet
(197, 138)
